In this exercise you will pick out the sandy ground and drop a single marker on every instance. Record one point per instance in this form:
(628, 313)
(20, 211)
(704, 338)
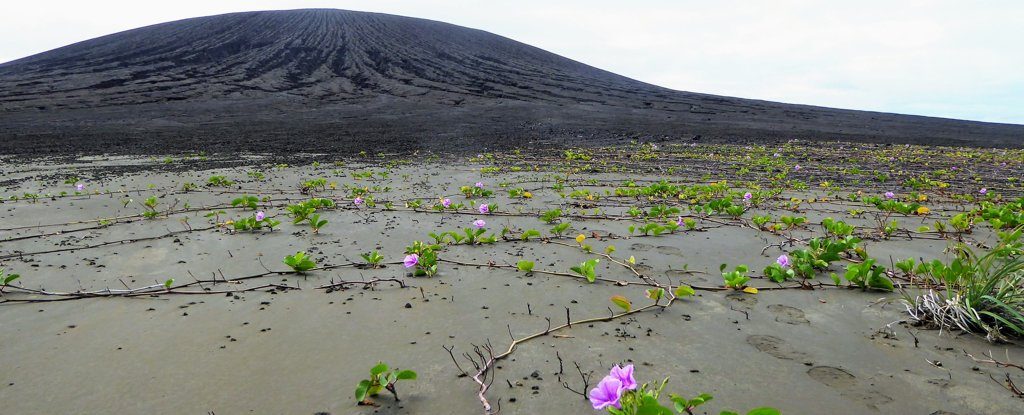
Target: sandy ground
(303, 350)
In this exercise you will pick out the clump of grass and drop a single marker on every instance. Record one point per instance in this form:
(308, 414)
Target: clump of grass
(983, 294)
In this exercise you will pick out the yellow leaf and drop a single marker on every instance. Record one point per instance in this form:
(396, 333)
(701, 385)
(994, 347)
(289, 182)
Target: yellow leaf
(923, 210)
(750, 290)
(922, 198)
(622, 302)
(632, 260)
(580, 238)
(527, 195)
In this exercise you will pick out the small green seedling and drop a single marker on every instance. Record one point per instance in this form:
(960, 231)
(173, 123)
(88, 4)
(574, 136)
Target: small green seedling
(150, 211)
(866, 275)
(587, 270)
(315, 223)
(218, 181)
(381, 378)
(530, 233)
(299, 262)
(560, 228)
(246, 202)
(373, 259)
(551, 216)
(735, 279)
(6, 279)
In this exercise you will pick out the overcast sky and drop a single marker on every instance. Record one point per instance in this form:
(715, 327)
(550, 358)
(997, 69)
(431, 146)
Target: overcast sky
(957, 59)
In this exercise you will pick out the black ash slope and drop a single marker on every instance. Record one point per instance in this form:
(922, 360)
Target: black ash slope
(332, 80)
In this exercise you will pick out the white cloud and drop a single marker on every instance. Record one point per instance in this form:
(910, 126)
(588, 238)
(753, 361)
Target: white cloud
(943, 58)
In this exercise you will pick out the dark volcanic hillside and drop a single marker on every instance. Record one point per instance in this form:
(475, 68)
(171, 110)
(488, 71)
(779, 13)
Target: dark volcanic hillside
(332, 80)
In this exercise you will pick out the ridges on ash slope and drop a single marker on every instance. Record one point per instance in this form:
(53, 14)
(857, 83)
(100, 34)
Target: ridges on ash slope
(333, 80)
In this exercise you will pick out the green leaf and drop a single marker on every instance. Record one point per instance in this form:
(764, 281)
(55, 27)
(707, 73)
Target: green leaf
(879, 280)
(168, 283)
(622, 302)
(361, 390)
(650, 406)
(525, 266)
(407, 375)
(684, 291)
(380, 368)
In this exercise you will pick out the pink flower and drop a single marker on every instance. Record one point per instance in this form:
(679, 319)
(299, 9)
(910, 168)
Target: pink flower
(479, 223)
(484, 209)
(607, 393)
(783, 261)
(796, 167)
(983, 191)
(479, 185)
(624, 375)
(446, 202)
(358, 201)
(889, 195)
(679, 221)
(260, 215)
(79, 187)
(747, 196)
(411, 260)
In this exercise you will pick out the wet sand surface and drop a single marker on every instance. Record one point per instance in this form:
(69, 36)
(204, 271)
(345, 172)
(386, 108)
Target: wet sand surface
(302, 350)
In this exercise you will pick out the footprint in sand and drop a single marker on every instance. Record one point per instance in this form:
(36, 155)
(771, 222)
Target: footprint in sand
(789, 315)
(848, 386)
(745, 300)
(641, 247)
(775, 347)
(669, 250)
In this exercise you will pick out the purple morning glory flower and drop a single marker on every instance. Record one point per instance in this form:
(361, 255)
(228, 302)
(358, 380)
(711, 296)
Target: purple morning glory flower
(607, 393)
(625, 376)
(479, 185)
(679, 222)
(783, 261)
(747, 196)
(446, 202)
(796, 167)
(484, 209)
(890, 195)
(358, 201)
(260, 215)
(983, 191)
(411, 260)
(79, 187)
(479, 223)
